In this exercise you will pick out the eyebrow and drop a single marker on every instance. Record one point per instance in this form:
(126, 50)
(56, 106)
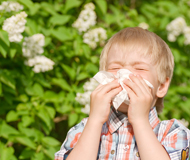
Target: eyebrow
(132, 63)
(138, 62)
(116, 62)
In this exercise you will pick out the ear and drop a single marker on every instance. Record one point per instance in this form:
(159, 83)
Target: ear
(163, 88)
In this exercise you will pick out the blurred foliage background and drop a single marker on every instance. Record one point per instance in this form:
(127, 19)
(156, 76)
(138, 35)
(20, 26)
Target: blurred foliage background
(38, 108)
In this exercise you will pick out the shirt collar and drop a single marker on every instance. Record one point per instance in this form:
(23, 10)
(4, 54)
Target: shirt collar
(117, 119)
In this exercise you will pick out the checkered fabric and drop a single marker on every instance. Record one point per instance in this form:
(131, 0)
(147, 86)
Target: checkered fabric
(118, 142)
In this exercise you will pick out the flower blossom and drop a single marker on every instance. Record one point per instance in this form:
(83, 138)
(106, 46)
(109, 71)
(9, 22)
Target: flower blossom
(184, 122)
(84, 98)
(86, 19)
(144, 25)
(33, 45)
(175, 28)
(95, 36)
(9, 6)
(186, 33)
(40, 63)
(15, 25)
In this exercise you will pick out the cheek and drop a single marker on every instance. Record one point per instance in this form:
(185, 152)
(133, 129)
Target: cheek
(113, 72)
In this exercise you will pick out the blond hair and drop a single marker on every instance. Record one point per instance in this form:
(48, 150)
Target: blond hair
(145, 43)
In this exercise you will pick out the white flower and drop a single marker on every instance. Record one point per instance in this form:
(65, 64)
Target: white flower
(15, 25)
(94, 36)
(9, 6)
(86, 109)
(171, 37)
(175, 28)
(89, 6)
(40, 63)
(33, 45)
(90, 85)
(86, 19)
(187, 35)
(144, 25)
(84, 98)
(184, 122)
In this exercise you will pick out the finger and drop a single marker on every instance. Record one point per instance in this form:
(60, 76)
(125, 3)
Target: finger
(130, 92)
(107, 87)
(146, 87)
(134, 87)
(114, 92)
(138, 81)
(99, 86)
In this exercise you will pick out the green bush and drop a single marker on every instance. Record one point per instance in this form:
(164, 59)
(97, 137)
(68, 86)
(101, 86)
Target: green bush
(37, 109)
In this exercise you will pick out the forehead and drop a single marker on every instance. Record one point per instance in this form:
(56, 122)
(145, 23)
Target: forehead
(122, 54)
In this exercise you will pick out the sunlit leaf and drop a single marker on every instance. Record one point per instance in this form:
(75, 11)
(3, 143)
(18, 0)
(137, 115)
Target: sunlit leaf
(71, 4)
(102, 4)
(73, 117)
(61, 83)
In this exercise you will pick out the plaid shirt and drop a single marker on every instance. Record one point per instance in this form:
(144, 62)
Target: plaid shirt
(117, 140)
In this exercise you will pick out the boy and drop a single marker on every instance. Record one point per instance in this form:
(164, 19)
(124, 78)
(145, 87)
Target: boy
(133, 131)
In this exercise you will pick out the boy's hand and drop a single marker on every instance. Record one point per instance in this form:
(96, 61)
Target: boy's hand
(100, 101)
(141, 99)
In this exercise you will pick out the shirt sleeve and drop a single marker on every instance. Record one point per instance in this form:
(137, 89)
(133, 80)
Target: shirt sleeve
(175, 139)
(71, 139)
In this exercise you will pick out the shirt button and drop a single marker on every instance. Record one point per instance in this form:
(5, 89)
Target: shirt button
(126, 147)
(112, 151)
(137, 154)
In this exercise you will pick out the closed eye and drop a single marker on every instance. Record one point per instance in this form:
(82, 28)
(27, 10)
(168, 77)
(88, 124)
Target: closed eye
(113, 68)
(141, 69)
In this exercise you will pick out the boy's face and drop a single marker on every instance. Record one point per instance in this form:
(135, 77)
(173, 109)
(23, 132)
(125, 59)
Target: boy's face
(137, 64)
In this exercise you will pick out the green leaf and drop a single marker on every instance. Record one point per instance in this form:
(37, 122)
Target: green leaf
(47, 41)
(26, 120)
(7, 153)
(82, 76)
(49, 8)
(71, 4)
(73, 117)
(50, 152)
(0, 88)
(43, 115)
(34, 8)
(62, 34)
(23, 98)
(91, 68)
(59, 19)
(27, 3)
(38, 156)
(61, 83)
(70, 71)
(7, 79)
(29, 90)
(4, 37)
(3, 48)
(50, 141)
(26, 141)
(26, 153)
(50, 96)
(12, 52)
(102, 4)
(38, 90)
(43, 82)
(51, 112)
(7, 130)
(12, 116)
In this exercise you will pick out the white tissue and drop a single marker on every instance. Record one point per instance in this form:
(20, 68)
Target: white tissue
(104, 77)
